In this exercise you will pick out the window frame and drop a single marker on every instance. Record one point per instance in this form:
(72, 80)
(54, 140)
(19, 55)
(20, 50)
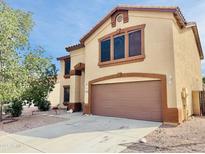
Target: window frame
(127, 59)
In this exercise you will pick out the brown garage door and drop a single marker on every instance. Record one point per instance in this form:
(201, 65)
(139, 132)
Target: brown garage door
(134, 100)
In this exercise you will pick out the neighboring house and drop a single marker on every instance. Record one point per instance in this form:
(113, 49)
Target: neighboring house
(137, 62)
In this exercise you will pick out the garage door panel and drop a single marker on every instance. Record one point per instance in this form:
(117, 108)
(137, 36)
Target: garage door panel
(136, 100)
(127, 94)
(131, 115)
(123, 98)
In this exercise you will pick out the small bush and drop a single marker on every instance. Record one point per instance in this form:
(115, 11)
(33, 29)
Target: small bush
(44, 105)
(15, 108)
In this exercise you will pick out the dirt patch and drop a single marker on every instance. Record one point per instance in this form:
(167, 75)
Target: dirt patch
(28, 122)
(187, 137)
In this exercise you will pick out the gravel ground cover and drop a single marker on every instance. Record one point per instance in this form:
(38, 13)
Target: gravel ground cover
(30, 120)
(187, 137)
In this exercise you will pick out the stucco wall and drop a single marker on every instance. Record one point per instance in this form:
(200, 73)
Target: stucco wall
(82, 87)
(77, 82)
(158, 50)
(130, 79)
(168, 50)
(54, 96)
(62, 81)
(57, 95)
(77, 56)
(187, 64)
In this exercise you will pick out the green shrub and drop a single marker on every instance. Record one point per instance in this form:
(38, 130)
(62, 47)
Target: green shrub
(44, 105)
(15, 108)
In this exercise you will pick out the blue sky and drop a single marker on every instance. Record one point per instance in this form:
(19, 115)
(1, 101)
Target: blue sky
(59, 23)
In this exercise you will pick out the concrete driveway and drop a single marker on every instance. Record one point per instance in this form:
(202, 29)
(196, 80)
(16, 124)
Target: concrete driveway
(80, 133)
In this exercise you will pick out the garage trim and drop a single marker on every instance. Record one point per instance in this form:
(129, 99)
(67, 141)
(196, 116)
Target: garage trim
(172, 115)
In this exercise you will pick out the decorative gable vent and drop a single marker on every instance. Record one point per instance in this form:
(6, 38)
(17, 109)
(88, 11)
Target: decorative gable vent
(118, 16)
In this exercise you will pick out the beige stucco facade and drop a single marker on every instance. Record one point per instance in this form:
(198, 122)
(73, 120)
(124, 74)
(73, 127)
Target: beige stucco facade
(158, 50)
(187, 65)
(77, 82)
(169, 50)
(56, 97)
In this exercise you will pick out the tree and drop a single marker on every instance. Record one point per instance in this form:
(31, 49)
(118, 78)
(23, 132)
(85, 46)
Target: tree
(203, 79)
(14, 34)
(24, 72)
(42, 75)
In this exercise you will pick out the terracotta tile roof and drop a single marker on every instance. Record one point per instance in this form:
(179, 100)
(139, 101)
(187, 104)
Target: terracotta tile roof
(173, 9)
(64, 57)
(74, 47)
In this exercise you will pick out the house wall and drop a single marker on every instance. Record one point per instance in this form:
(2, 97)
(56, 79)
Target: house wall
(63, 82)
(54, 96)
(169, 50)
(82, 87)
(187, 65)
(77, 82)
(77, 56)
(130, 79)
(158, 51)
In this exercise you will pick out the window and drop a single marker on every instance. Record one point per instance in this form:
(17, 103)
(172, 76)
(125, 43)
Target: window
(105, 50)
(135, 43)
(67, 67)
(123, 45)
(66, 94)
(119, 47)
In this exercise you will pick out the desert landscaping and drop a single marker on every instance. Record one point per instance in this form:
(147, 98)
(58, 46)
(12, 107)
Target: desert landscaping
(30, 119)
(187, 137)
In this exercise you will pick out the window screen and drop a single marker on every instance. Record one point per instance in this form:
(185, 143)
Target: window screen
(119, 47)
(135, 43)
(105, 50)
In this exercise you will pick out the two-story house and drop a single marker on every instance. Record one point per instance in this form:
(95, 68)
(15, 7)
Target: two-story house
(137, 62)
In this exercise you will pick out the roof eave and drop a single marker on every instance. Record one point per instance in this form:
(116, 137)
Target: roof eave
(198, 42)
(63, 57)
(74, 47)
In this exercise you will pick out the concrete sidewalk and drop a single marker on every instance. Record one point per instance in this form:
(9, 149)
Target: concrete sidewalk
(79, 134)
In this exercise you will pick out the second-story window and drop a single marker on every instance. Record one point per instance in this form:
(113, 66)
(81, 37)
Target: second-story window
(135, 43)
(105, 50)
(122, 45)
(67, 67)
(119, 47)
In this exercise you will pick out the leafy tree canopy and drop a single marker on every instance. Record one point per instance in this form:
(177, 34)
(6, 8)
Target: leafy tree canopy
(15, 28)
(41, 74)
(25, 73)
